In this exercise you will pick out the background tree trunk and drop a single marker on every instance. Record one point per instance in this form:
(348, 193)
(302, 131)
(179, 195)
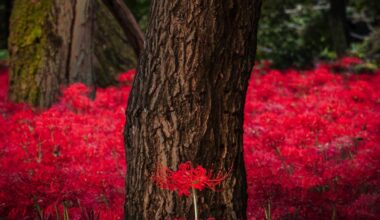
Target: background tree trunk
(113, 52)
(128, 23)
(338, 26)
(5, 9)
(51, 44)
(46, 48)
(187, 103)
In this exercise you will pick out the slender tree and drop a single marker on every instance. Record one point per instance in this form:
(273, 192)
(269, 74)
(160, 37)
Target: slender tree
(113, 48)
(128, 23)
(338, 26)
(187, 104)
(5, 9)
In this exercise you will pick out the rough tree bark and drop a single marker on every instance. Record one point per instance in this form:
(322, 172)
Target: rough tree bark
(187, 103)
(338, 26)
(51, 44)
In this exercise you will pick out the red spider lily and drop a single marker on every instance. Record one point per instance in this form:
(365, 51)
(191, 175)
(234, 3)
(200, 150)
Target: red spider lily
(126, 78)
(186, 178)
(311, 148)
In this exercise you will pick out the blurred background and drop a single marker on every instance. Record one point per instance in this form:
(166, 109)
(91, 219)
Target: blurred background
(311, 138)
(295, 33)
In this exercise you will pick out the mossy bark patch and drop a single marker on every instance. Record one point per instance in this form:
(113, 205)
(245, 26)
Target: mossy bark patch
(26, 43)
(53, 43)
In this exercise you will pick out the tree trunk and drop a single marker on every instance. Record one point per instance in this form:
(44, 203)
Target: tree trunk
(51, 44)
(5, 9)
(187, 104)
(128, 23)
(47, 49)
(113, 52)
(338, 26)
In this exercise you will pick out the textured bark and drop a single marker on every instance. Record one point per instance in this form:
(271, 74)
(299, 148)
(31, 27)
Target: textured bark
(81, 63)
(46, 48)
(338, 26)
(52, 44)
(187, 103)
(128, 23)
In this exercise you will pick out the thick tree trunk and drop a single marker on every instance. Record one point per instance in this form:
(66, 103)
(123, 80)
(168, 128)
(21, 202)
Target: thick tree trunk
(52, 44)
(187, 103)
(338, 26)
(47, 49)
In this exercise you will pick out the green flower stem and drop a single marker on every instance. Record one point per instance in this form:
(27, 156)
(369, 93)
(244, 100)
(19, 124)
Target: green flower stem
(195, 204)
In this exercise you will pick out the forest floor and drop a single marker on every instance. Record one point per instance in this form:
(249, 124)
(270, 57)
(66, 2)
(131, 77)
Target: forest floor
(311, 143)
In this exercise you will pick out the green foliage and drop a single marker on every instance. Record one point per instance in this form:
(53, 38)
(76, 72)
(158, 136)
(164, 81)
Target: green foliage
(369, 8)
(4, 54)
(292, 34)
(140, 9)
(296, 33)
(371, 46)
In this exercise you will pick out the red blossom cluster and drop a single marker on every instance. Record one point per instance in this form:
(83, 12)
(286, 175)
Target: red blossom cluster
(69, 156)
(311, 143)
(186, 178)
(347, 62)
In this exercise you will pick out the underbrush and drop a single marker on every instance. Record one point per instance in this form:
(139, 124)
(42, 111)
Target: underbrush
(311, 142)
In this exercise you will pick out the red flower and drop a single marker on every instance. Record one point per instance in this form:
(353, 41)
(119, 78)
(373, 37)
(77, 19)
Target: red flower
(186, 178)
(126, 77)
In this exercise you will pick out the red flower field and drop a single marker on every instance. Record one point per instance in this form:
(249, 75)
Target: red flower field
(311, 141)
